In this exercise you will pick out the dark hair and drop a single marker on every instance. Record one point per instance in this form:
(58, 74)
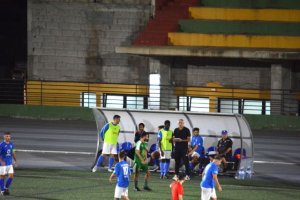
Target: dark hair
(144, 134)
(181, 176)
(196, 129)
(167, 122)
(161, 126)
(217, 157)
(122, 154)
(141, 124)
(116, 117)
(6, 133)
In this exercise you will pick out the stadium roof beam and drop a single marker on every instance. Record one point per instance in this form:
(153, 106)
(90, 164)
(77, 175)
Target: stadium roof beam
(271, 54)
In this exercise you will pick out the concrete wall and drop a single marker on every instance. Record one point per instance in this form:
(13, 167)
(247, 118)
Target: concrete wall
(232, 74)
(74, 40)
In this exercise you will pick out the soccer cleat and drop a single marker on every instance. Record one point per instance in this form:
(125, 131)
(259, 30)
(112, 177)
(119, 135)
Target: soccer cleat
(175, 177)
(6, 192)
(161, 176)
(187, 178)
(110, 170)
(94, 169)
(147, 188)
(137, 189)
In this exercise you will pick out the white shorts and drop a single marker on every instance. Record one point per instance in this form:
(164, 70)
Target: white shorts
(120, 191)
(196, 154)
(167, 155)
(6, 170)
(109, 149)
(207, 193)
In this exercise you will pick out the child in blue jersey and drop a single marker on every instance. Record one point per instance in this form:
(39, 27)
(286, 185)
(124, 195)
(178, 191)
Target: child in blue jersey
(210, 179)
(196, 150)
(7, 160)
(122, 171)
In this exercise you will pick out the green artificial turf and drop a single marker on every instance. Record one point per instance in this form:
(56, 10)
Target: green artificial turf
(70, 184)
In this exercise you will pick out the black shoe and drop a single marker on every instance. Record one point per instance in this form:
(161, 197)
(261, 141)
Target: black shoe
(137, 189)
(6, 192)
(161, 176)
(147, 188)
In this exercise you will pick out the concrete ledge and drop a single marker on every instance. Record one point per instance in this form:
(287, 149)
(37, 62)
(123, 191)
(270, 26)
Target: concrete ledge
(46, 112)
(210, 52)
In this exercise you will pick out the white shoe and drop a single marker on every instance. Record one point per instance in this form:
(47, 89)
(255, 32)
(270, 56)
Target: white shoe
(94, 169)
(187, 178)
(175, 178)
(110, 170)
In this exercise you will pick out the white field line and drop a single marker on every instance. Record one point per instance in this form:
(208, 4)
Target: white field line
(93, 153)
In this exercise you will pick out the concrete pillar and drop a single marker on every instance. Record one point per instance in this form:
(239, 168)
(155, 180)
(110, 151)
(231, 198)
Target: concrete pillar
(282, 98)
(168, 99)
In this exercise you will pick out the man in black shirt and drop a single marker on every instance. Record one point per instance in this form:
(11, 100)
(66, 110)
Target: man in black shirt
(181, 138)
(224, 148)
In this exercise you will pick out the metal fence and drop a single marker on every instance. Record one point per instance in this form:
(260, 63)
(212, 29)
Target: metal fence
(159, 97)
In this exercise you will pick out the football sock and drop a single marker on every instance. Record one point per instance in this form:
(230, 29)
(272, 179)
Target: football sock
(110, 162)
(2, 184)
(161, 168)
(167, 167)
(135, 183)
(146, 183)
(100, 160)
(8, 182)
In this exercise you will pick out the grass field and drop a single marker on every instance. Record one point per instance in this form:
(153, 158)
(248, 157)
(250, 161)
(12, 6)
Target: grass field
(69, 184)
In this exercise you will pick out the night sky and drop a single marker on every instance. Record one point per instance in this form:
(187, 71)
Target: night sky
(13, 37)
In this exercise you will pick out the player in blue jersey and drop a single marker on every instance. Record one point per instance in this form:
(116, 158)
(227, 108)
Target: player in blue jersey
(210, 179)
(7, 160)
(122, 171)
(196, 150)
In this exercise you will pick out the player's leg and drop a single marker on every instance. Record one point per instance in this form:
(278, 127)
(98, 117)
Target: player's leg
(206, 193)
(187, 167)
(147, 177)
(105, 153)
(136, 176)
(177, 158)
(213, 195)
(10, 171)
(118, 193)
(125, 194)
(2, 178)
(113, 154)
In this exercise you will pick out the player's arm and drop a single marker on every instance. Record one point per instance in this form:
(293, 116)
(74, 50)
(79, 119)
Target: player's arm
(2, 161)
(103, 131)
(111, 177)
(215, 177)
(14, 155)
(159, 137)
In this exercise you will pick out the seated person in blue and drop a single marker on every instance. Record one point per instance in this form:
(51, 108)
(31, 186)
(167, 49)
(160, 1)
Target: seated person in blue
(196, 149)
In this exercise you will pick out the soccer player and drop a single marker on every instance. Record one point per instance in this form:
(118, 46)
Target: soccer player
(155, 153)
(181, 138)
(141, 162)
(7, 159)
(109, 134)
(196, 148)
(122, 171)
(165, 143)
(209, 179)
(177, 187)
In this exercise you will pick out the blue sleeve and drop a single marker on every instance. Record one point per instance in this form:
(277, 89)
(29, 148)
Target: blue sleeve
(159, 135)
(215, 170)
(103, 131)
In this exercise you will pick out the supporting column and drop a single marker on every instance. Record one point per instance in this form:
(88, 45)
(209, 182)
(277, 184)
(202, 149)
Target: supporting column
(168, 99)
(282, 98)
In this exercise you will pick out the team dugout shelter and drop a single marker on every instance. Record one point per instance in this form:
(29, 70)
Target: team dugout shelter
(210, 125)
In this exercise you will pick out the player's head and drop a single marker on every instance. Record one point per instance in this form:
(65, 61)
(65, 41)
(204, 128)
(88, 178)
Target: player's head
(144, 136)
(161, 127)
(224, 133)
(141, 127)
(167, 124)
(180, 123)
(116, 119)
(196, 131)
(181, 177)
(217, 160)
(121, 155)
(6, 136)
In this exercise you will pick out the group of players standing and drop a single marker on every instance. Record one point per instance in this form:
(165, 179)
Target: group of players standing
(170, 144)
